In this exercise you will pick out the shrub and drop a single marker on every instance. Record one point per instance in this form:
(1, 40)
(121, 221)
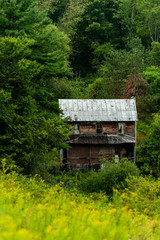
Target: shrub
(31, 209)
(149, 151)
(111, 176)
(142, 195)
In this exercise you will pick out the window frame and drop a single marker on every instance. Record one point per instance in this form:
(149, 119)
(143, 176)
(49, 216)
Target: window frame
(121, 128)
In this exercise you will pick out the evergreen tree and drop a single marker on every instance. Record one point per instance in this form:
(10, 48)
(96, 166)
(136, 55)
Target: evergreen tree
(25, 19)
(32, 51)
(97, 27)
(29, 134)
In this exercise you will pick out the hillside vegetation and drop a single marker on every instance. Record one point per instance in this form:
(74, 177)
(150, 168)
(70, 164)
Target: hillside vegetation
(99, 49)
(31, 209)
(51, 49)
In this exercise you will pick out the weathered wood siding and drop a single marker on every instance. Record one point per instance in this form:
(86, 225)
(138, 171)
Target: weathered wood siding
(109, 128)
(82, 155)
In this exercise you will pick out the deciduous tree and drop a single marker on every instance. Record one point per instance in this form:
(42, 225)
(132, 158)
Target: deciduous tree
(149, 150)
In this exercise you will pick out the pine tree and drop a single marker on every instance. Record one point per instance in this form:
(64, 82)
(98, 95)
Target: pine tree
(32, 51)
(25, 19)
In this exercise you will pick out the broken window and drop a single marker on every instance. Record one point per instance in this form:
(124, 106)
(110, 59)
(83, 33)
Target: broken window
(76, 128)
(121, 128)
(99, 128)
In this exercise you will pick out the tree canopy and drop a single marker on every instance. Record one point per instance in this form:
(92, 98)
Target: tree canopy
(149, 150)
(51, 49)
(32, 50)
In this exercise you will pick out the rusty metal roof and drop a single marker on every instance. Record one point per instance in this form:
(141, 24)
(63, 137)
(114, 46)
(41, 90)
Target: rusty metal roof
(99, 110)
(101, 139)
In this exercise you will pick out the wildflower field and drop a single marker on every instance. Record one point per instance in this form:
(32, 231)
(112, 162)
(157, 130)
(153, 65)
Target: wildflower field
(31, 209)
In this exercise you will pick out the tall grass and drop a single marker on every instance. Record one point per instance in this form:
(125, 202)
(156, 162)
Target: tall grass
(31, 209)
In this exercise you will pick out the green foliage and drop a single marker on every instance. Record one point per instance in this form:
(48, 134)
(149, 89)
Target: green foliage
(21, 18)
(142, 130)
(126, 13)
(100, 53)
(32, 209)
(17, 71)
(142, 195)
(72, 16)
(149, 150)
(139, 18)
(143, 127)
(67, 89)
(96, 28)
(104, 40)
(45, 4)
(98, 89)
(52, 50)
(152, 75)
(109, 177)
(57, 9)
(32, 51)
(149, 11)
(31, 142)
(115, 68)
(29, 133)
(155, 53)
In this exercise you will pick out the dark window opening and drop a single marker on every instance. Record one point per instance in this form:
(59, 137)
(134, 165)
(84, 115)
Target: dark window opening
(99, 128)
(117, 150)
(64, 156)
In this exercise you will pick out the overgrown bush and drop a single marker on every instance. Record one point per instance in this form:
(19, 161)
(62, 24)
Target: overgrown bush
(31, 209)
(109, 177)
(148, 153)
(141, 195)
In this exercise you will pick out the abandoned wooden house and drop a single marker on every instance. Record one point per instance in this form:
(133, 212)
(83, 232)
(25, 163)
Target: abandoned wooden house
(102, 129)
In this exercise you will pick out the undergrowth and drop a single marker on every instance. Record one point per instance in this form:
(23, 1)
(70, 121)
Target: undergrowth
(32, 209)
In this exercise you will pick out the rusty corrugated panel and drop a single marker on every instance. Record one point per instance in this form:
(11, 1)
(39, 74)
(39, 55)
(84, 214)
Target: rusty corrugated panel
(109, 110)
(101, 139)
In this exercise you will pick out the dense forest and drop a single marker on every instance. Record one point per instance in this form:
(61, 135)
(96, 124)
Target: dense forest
(51, 49)
(77, 49)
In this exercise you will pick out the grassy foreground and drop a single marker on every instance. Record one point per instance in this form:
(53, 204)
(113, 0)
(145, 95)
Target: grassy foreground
(31, 209)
